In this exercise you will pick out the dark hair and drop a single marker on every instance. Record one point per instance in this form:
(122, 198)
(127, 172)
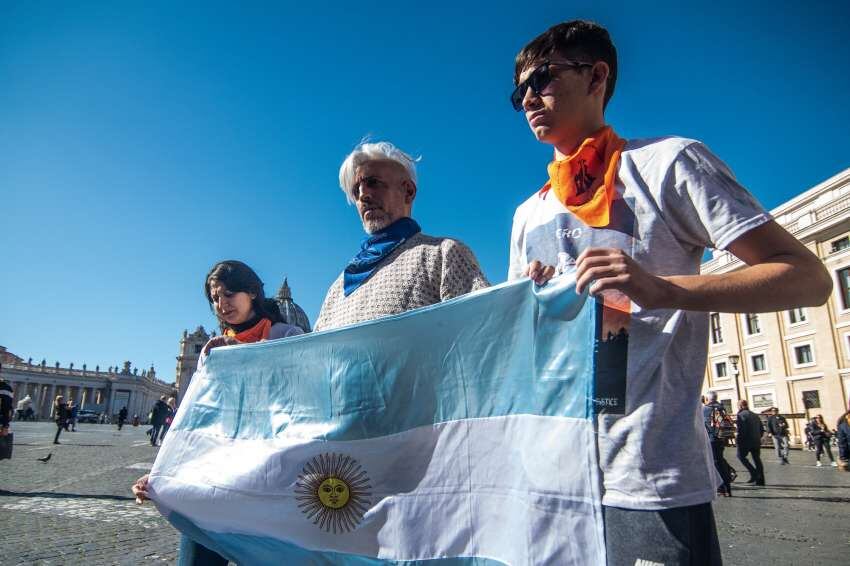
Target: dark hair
(238, 277)
(577, 38)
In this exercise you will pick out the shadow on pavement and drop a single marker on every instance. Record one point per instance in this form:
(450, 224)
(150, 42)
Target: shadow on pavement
(75, 444)
(53, 494)
(801, 487)
(751, 495)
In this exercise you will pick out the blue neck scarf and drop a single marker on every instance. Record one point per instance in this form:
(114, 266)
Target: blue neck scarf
(374, 250)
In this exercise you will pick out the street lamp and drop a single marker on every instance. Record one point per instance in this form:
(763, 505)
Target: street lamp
(735, 359)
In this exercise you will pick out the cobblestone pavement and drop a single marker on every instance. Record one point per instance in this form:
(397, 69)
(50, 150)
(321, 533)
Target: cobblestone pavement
(801, 517)
(77, 507)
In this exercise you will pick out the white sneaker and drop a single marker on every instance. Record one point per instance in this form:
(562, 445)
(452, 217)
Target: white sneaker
(818, 464)
(833, 464)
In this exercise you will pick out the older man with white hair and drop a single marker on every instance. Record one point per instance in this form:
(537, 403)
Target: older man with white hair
(398, 268)
(719, 429)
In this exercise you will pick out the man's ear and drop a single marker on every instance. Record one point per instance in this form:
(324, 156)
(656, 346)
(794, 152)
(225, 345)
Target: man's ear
(409, 190)
(598, 78)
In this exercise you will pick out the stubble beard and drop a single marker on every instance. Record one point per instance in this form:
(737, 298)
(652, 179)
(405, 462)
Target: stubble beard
(376, 224)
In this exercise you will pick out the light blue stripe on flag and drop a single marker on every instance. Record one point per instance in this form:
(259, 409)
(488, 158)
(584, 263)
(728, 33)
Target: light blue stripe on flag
(463, 430)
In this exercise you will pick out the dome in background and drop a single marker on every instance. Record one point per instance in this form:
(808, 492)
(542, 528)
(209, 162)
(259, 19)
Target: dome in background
(291, 312)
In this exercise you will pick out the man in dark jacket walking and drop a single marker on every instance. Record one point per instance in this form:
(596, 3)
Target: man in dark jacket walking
(122, 416)
(750, 431)
(777, 426)
(158, 414)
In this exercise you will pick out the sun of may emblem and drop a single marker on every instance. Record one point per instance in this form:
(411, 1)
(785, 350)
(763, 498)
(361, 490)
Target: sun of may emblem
(333, 491)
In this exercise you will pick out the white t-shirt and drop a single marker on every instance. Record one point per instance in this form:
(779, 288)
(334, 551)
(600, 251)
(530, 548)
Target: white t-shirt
(675, 198)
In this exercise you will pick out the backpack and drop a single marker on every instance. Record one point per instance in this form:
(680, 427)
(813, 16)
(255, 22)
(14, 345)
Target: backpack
(722, 424)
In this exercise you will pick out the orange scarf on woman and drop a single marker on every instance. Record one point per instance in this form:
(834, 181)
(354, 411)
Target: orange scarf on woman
(259, 331)
(584, 181)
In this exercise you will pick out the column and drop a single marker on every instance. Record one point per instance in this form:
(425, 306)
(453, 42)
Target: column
(45, 401)
(37, 396)
(17, 389)
(109, 408)
(50, 399)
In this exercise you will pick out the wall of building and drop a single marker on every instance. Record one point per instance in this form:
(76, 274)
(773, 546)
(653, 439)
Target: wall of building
(797, 361)
(101, 391)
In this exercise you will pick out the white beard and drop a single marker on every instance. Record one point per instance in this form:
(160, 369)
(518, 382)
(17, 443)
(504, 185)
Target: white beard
(376, 224)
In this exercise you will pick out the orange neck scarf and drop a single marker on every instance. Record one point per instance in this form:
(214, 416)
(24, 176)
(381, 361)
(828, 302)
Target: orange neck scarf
(256, 333)
(584, 181)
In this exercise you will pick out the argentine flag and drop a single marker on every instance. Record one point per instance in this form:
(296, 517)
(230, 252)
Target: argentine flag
(460, 433)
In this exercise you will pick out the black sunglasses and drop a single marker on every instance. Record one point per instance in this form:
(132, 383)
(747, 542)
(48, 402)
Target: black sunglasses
(540, 79)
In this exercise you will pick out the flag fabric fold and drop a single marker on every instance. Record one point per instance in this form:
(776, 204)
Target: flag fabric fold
(461, 433)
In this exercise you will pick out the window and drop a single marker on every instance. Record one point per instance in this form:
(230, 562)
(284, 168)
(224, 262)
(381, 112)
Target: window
(720, 370)
(751, 322)
(844, 287)
(796, 316)
(758, 363)
(762, 400)
(840, 244)
(803, 354)
(716, 333)
(198, 348)
(727, 405)
(811, 399)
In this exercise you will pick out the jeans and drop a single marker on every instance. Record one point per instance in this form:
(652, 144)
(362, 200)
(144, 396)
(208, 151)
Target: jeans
(155, 433)
(821, 445)
(757, 471)
(781, 445)
(194, 554)
(164, 430)
(678, 536)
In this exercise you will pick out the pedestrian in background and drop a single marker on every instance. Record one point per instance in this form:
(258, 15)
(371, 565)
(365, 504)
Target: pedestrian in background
(158, 414)
(750, 431)
(719, 429)
(61, 415)
(6, 398)
(777, 426)
(169, 416)
(122, 416)
(843, 433)
(72, 416)
(822, 436)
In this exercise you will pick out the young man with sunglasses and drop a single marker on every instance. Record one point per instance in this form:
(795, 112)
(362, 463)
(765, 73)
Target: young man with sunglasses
(633, 218)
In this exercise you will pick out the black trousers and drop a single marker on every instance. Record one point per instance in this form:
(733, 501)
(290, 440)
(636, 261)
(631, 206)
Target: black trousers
(59, 426)
(822, 445)
(757, 471)
(720, 462)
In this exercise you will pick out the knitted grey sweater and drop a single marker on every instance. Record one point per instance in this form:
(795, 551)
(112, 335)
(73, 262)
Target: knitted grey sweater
(422, 271)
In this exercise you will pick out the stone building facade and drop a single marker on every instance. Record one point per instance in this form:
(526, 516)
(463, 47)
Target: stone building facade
(187, 361)
(101, 391)
(798, 360)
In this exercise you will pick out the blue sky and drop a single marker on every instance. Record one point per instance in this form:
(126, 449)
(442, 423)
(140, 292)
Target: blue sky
(142, 142)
